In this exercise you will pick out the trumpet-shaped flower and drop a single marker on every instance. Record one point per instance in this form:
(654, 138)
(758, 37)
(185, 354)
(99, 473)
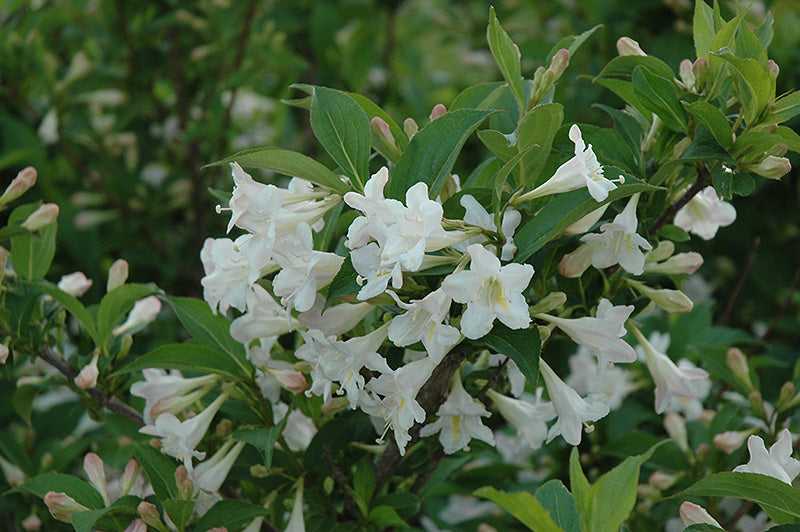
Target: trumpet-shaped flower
(588, 377)
(379, 212)
(777, 462)
(529, 418)
(602, 335)
(158, 385)
(231, 267)
(210, 474)
(705, 214)
(423, 321)
(490, 291)
(265, 319)
(459, 420)
(476, 215)
(572, 410)
(335, 320)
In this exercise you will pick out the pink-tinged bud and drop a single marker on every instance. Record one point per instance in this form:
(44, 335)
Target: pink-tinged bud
(706, 416)
(117, 274)
(93, 465)
(438, 111)
(737, 362)
(672, 301)
(587, 222)
(25, 179)
(32, 523)
(700, 69)
(627, 46)
(149, 514)
(676, 428)
(13, 474)
(772, 167)
(773, 67)
(291, 380)
(573, 264)
(4, 352)
(410, 128)
(129, 477)
(75, 284)
(87, 378)
(336, 404)
(41, 217)
(381, 129)
(686, 73)
(661, 480)
(137, 526)
(662, 251)
(680, 264)
(693, 514)
(143, 312)
(559, 63)
(184, 484)
(62, 506)
(730, 440)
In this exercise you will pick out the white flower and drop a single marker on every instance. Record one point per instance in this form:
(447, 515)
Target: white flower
(370, 268)
(478, 216)
(602, 335)
(75, 284)
(669, 378)
(571, 409)
(423, 321)
(265, 319)
(582, 170)
(588, 377)
(335, 320)
(693, 514)
(144, 312)
(515, 377)
(618, 242)
(379, 213)
(705, 214)
(296, 522)
(209, 475)
(230, 271)
(159, 386)
(690, 407)
(490, 291)
(459, 420)
(777, 462)
(529, 418)
(299, 431)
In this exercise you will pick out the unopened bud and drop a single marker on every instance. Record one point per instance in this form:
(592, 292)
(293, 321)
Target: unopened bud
(4, 352)
(627, 46)
(32, 523)
(729, 441)
(93, 465)
(25, 179)
(410, 128)
(124, 347)
(662, 251)
(573, 264)
(676, 428)
(661, 480)
(149, 514)
(143, 312)
(680, 264)
(584, 224)
(62, 506)
(786, 396)
(686, 73)
(773, 68)
(41, 217)
(706, 416)
(693, 514)
(218, 529)
(224, 427)
(13, 474)
(551, 301)
(772, 167)
(559, 63)
(452, 185)
(680, 147)
(87, 378)
(757, 404)
(129, 477)
(336, 404)
(117, 274)
(75, 284)
(291, 380)
(137, 526)
(381, 129)
(700, 69)
(184, 484)
(737, 362)
(438, 111)
(672, 301)
(259, 471)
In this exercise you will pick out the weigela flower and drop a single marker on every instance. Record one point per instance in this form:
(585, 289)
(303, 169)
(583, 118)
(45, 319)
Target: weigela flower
(529, 418)
(335, 320)
(75, 284)
(516, 379)
(144, 312)
(705, 214)
(459, 420)
(158, 386)
(490, 291)
(25, 179)
(265, 319)
(476, 215)
(231, 267)
(587, 377)
(777, 462)
(379, 212)
(423, 321)
(209, 475)
(296, 522)
(93, 465)
(62, 506)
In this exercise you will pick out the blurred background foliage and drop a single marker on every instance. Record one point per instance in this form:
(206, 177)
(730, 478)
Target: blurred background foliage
(120, 104)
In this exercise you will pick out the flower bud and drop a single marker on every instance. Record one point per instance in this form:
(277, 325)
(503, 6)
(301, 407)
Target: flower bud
(381, 129)
(550, 302)
(410, 128)
(438, 111)
(62, 506)
(627, 46)
(117, 274)
(143, 312)
(75, 284)
(13, 474)
(785, 397)
(544, 332)
(335, 404)
(573, 264)
(137, 526)
(25, 179)
(93, 465)
(773, 68)
(730, 440)
(680, 264)
(129, 477)
(32, 523)
(87, 378)
(41, 217)
(700, 69)
(291, 380)
(686, 73)
(676, 428)
(4, 352)
(661, 480)
(559, 63)
(772, 167)
(693, 514)
(185, 485)
(757, 404)
(662, 251)
(672, 301)
(584, 224)
(149, 514)
(737, 362)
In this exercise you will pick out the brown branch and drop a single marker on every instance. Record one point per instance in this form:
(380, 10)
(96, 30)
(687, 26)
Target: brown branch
(492, 379)
(108, 402)
(751, 259)
(703, 180)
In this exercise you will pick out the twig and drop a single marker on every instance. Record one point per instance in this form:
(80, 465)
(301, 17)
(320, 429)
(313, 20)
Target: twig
(492, 379)
(108, 402)
(751, 259)
(703, 179)
(350, 506)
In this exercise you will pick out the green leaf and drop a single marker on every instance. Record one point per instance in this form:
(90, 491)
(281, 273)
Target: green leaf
(624, 89)
(210, 329)
(391, 153)
(500, 179)
(334, 436)
(722, 182)
(659, 95)
(565, 209)
(364, 483)
(701, 527)
(764, 32)
(23, 401)
(179, 511)
(624, 66)
(187, 357)
(506, 54)
(785, 107)
(557, 500)
(342, 127)
(704, 147)
(713, 119)
(288, 163)
(703, 28)
(12, 231)
(431, 154)
(32, 253)
(119, 514)
(159, 469)
(611, 499)
(756, 84)
(71, 303)
(520, 345)
(497, 144)
(780, 500)
(480, 96)
(538, 127)
(81, 491)
(523, 506)
(386, 517)
(262, 439)
(231, 514)
(674, 233)
(116, 304)
(344, 286)
(578, 483)
(572, 43)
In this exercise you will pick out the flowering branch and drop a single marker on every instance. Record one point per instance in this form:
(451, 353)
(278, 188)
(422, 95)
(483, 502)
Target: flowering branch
(702, 182)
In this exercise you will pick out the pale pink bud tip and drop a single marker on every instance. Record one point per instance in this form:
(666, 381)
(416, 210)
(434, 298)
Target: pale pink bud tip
(438, 111)
(382, 129)
(729, 441)
(25, 179)
(559, 63)
(137, 526)
(773, 67)
(627, 46)
(62, 506)
(149, 513)
(32, 523)
(75, 284)
(87, 378)
(41, 217)
(294, 381)
(117, 274)
(694, 514)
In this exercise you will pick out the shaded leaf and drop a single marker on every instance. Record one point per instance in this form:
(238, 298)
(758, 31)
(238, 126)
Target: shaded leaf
(506, 54)
(557, 500)
(186, 357)
(521, 505)
(660, 95)
(231, 514)
(520, 345)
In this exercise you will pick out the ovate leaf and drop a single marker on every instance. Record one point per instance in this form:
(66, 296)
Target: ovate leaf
(187, 357)
(659, 95)
(506, 54)
(523, 506)
(520, 345)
